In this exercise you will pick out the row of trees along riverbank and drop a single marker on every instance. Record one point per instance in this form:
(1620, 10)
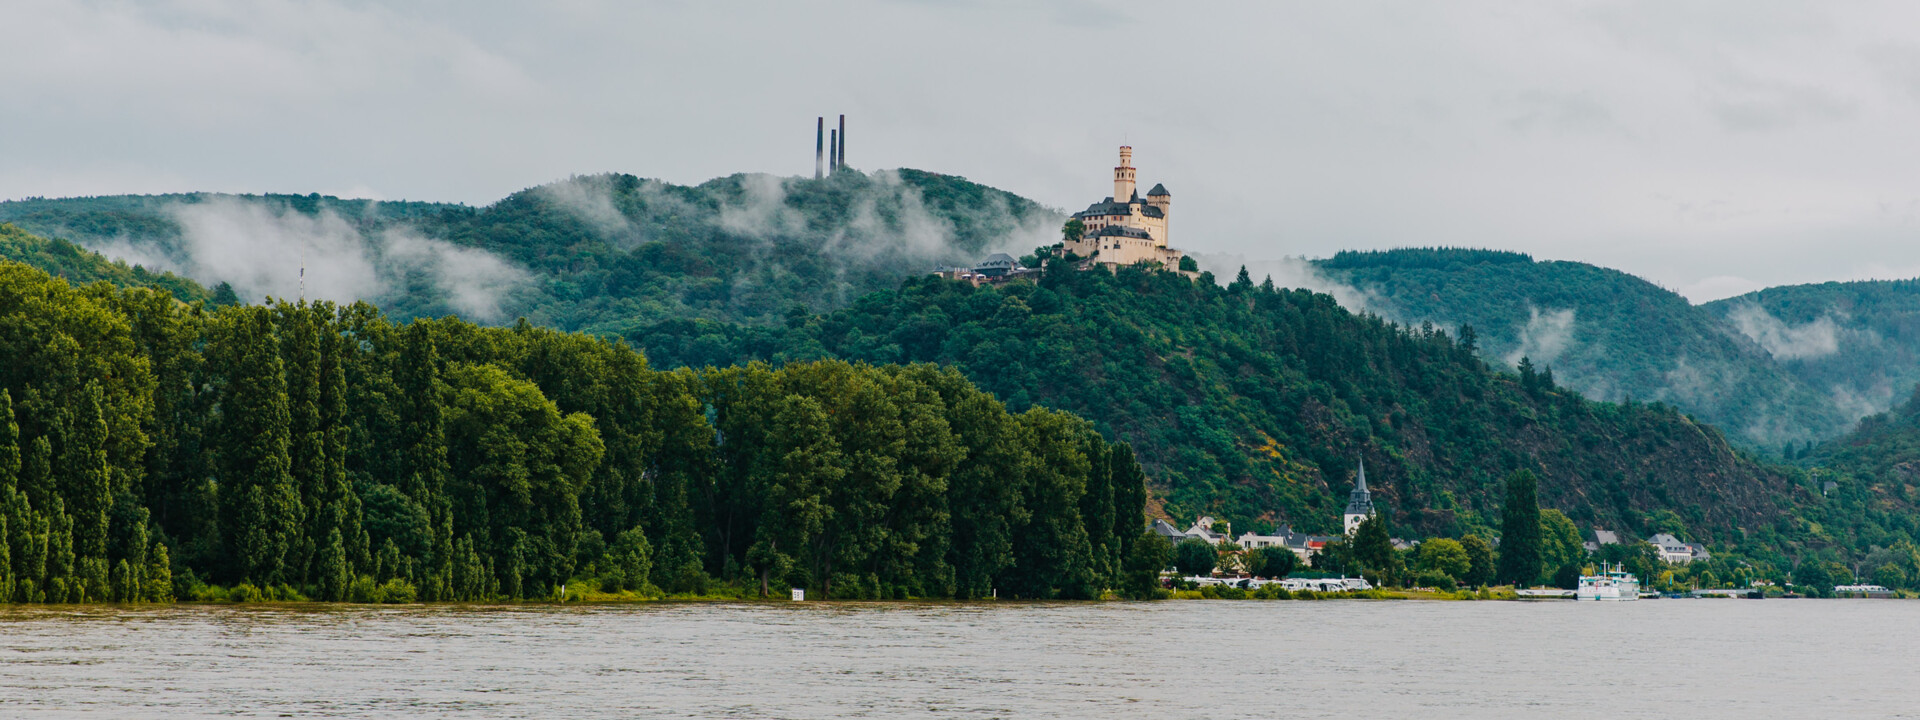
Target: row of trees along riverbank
(1541, 546)
(151, 450)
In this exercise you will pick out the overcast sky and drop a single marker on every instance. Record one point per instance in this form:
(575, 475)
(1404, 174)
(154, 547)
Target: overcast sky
(1711, 147)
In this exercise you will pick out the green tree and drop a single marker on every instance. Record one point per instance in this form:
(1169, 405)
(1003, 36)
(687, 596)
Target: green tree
(334, 572)
(1520, 553)
(262, 514)
(1560, 545)
(1147, 556)
(1480, 561)
(1446, 556)
(1194, 556)
(631, 560)
(987, 491)
(1890, 576)
(1129, 485)
(158, 574)
(1373, 548)
(1276, 562)
(1073, 231)
(1814, 577)
(1052, 552)
(806, 464)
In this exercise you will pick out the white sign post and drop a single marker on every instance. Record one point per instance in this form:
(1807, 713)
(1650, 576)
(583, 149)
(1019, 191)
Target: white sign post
(799, 594)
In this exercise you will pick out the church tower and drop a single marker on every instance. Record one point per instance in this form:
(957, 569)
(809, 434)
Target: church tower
(1359, 502)
(1123, 176)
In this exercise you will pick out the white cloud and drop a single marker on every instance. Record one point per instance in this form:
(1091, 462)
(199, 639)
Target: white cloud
(1544, 337)
(1786, 342)
(263, 250)
(1288, 272)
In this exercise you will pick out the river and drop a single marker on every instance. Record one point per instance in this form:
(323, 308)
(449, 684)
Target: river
(1173, 659)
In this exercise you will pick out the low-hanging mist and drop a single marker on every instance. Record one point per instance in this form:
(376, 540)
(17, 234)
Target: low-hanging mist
(263, 247)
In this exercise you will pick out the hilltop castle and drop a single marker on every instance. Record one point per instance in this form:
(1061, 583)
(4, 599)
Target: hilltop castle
(1125, 229)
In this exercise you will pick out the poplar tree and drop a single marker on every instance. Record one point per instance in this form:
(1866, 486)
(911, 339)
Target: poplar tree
(1129, 484)
(262, 504)
(1097, 510)
(9, 488)
(1052, 555)
(806, 463)
(340, 507)
(300, 339)
(919, 524)
(424, 450)
(987, 490)
(158, 580)
(1519, 532)
(9, 446)
(87, 487)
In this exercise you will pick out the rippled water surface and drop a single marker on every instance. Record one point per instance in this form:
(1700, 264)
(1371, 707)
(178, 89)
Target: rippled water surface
(1671, 658)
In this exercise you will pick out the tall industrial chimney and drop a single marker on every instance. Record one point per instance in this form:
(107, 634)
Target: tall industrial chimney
(841, 159)
(819, 144)
(833, 150)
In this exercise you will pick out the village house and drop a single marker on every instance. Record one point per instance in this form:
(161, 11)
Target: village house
(1302, 544)
(996, 268)
(1673, 550)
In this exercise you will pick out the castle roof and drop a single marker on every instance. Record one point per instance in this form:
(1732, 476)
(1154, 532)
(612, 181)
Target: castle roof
(1109, 207)
(998, 260)
(1121, 231)
(1159, 190)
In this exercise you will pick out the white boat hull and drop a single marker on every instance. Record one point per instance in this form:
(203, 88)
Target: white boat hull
(1610, 586)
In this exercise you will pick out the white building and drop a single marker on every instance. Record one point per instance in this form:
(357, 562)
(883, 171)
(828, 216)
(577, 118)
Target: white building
(1673, 550)
(1302, 544)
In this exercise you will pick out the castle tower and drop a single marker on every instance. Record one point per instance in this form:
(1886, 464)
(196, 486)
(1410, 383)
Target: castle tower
(1159, 198)
(1123, 176)
(1359, 502)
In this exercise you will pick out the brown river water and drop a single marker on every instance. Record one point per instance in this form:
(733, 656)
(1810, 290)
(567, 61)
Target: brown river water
(1173, 659)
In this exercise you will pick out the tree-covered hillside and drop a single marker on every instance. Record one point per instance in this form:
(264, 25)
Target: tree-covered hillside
(79, 265)
(603, 253)
(149, 447)
(1254, 404)
(1611, 336)
(1859, 342)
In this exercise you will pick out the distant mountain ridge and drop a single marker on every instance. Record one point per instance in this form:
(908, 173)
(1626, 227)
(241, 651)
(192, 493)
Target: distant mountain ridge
(611, 254)
(1783, 365)
(600, 253)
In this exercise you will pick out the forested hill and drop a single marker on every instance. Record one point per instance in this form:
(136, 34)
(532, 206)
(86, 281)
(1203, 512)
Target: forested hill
(1858, 340)
(81, 266)
(1254, 404)
(609, 254)
(1763, 377)
(1874, 473)
(601, 253)
(154, 449)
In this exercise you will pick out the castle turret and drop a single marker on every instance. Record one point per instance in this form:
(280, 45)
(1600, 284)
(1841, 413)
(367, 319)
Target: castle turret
(1359, 502)
(1123, 176)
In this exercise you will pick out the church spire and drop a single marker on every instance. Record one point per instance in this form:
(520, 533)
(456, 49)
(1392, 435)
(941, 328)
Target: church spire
(1359, 502)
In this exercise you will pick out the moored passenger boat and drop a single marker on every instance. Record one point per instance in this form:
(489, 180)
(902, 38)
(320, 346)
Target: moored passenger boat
(1614, 584)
